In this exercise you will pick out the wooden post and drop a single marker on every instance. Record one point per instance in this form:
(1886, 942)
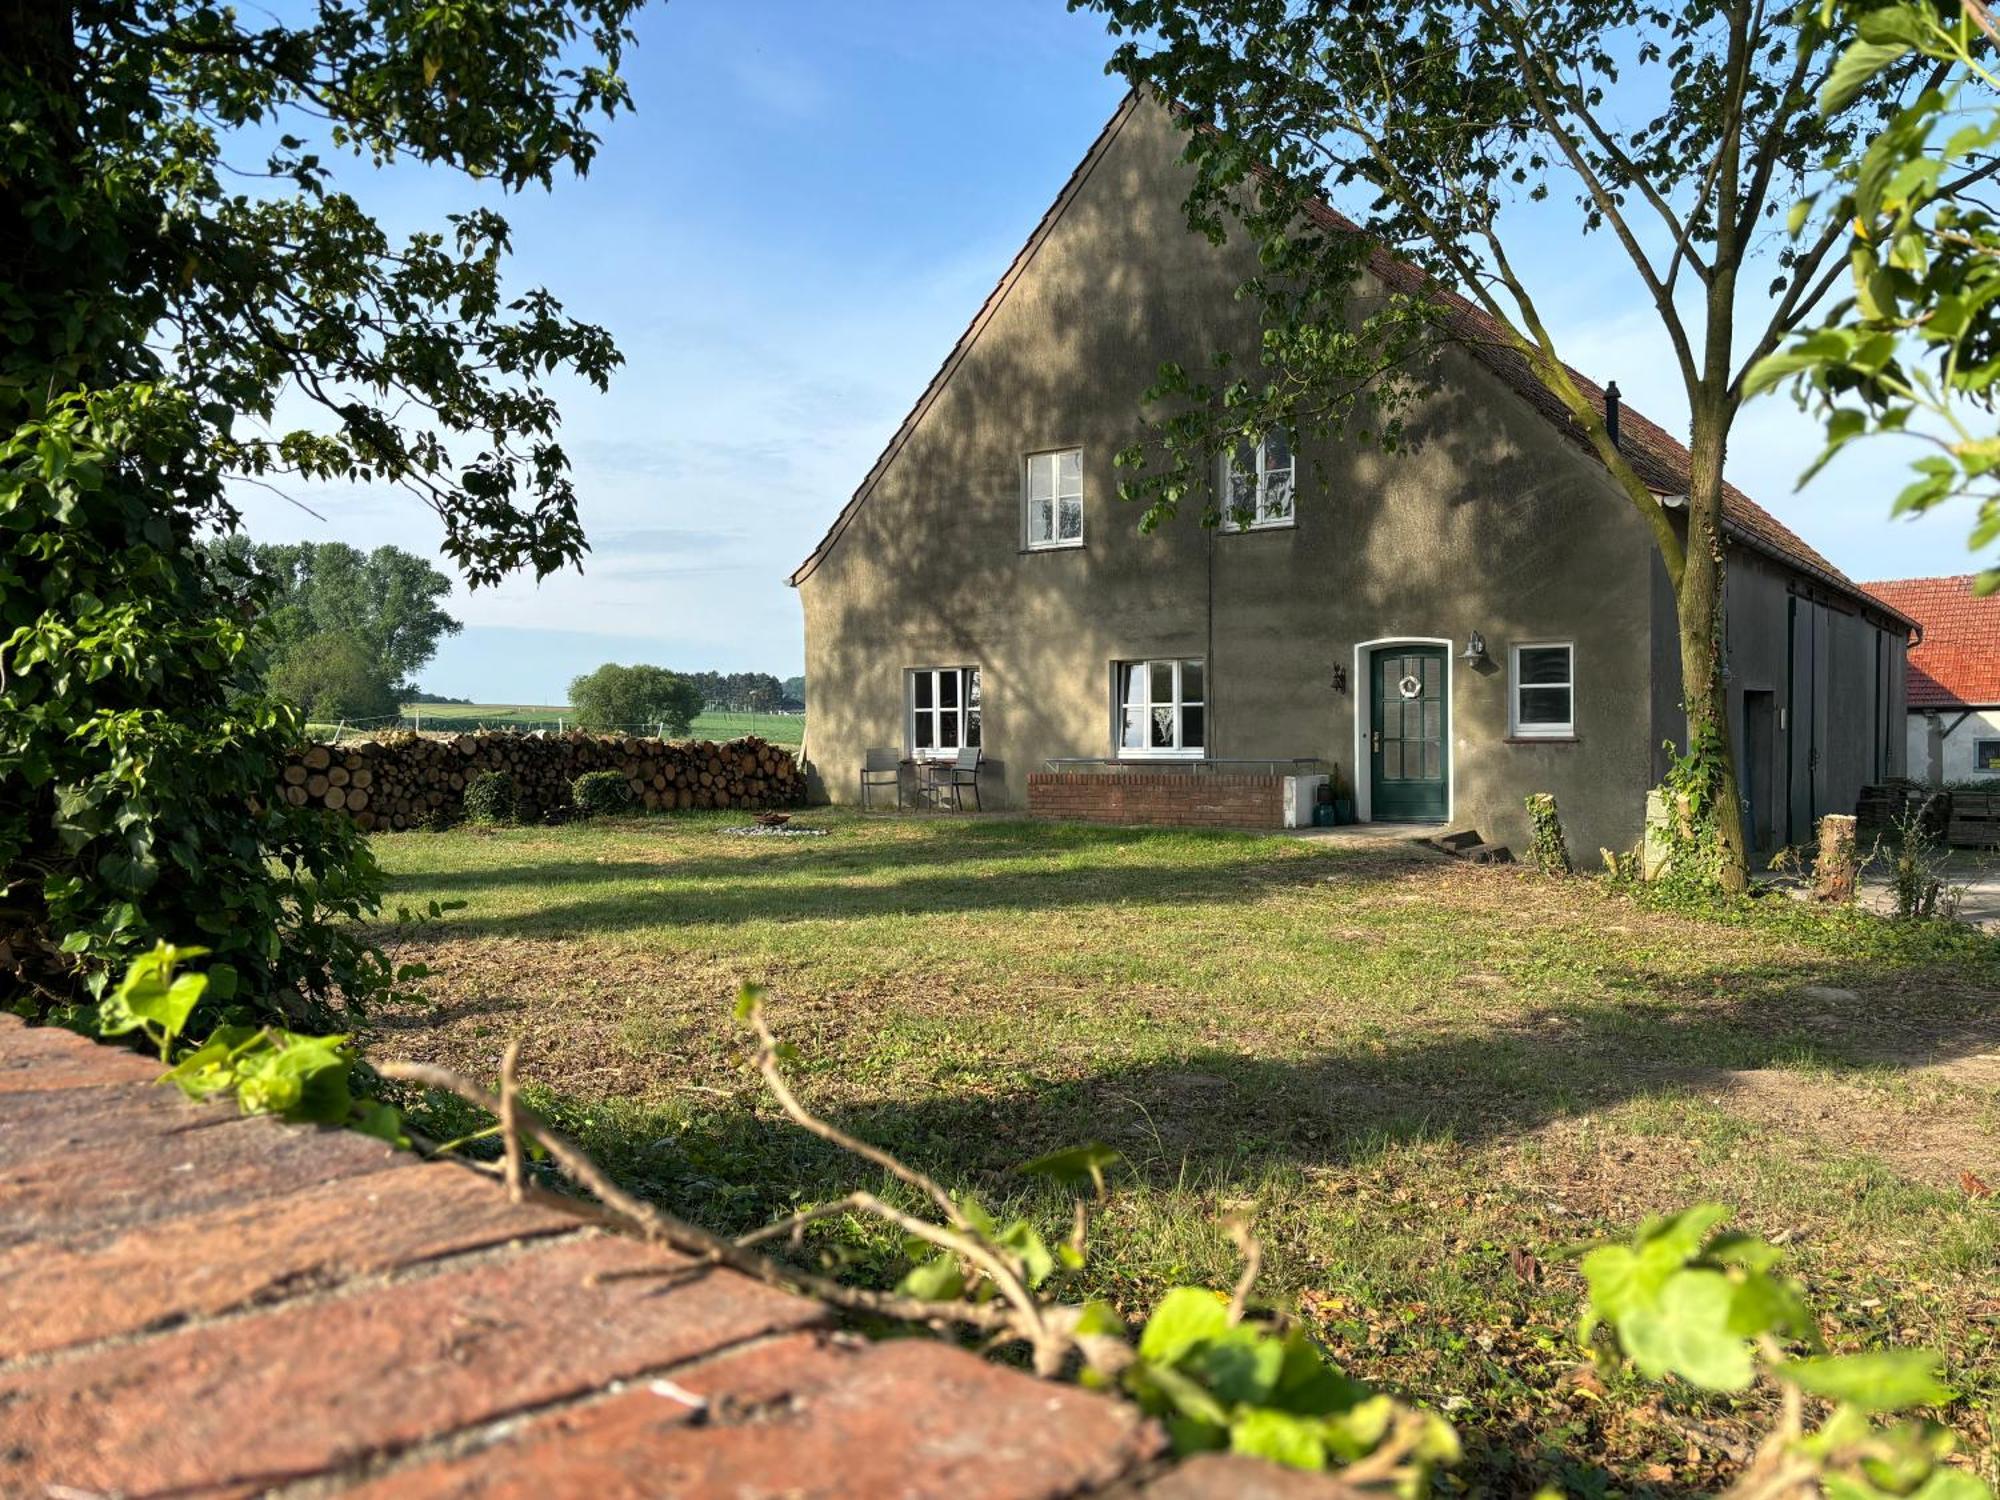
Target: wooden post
(1836, 869)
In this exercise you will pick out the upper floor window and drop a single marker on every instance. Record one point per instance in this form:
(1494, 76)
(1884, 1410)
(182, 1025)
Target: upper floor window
(1161, 707)
(1986, 755)
(1544, 691)
(942, 708)
(1054, 498)
(1257, 484)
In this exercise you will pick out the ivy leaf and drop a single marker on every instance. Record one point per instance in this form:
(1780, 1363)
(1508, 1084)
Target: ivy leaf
(1295, 1442)
(1687, 1333)
(1186, 1316)
(1878, 1381)
(1073, 1164)
(936, 1280)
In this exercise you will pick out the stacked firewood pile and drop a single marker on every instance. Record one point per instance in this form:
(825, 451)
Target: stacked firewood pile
(407, 780)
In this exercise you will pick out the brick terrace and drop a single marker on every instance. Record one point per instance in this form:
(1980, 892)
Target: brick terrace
(1168, 799)
(196, 1303)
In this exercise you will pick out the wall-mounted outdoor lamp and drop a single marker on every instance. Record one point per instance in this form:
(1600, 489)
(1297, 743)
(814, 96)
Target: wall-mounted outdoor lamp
(1475, 649)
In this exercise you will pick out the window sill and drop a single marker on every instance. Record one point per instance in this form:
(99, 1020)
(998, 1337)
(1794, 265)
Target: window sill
(1075, 546)
(1542, 739)
(1142, 757)
(1288, 524)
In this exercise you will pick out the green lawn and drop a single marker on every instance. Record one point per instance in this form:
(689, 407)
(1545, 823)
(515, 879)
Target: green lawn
(1405, 1069)
(779, 729)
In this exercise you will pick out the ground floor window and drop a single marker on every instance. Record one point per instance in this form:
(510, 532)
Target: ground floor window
(1986, 755)
(1161, 707)
(941, 705)
(1544, 691)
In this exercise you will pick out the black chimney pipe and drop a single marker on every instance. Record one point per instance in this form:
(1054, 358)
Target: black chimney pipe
(1611, 412)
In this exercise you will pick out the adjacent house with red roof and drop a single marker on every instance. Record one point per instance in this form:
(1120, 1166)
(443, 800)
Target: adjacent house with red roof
(1954, 692)
(1444, 629)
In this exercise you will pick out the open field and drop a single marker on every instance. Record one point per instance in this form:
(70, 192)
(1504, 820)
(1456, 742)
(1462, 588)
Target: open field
(1426, 1081)
(779, 729)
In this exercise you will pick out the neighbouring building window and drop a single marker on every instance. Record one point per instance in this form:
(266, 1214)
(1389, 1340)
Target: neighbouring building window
(942, 704)
(1986, 755)
(1544, 691)
(1161, 707)
(1055, 498)
(1257, 484)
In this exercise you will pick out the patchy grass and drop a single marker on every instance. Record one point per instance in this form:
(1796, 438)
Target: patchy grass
(1427, 1081)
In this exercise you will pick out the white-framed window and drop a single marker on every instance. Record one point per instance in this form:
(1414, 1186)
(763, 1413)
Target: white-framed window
(1257, 483)
(941, 710)
(1052, 498)
(1543, 676)
(1986, 755)
(1160, 708)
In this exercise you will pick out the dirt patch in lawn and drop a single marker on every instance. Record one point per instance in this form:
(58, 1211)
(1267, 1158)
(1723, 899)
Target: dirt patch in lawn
(1936, 1138)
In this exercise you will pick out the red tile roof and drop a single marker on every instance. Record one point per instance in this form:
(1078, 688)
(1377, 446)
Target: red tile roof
(1661, 462)
(1957, 664)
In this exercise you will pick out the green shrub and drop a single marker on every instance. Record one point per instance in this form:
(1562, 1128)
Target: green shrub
(490, 798)
(596, 793)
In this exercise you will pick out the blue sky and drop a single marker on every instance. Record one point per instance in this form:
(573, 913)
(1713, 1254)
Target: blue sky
(810, 202)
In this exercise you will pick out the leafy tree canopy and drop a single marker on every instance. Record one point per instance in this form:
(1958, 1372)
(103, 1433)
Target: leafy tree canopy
(634, 698)
(331, 676)
(1680, 132)
(1913, 349)
(388, 600)
(180, 272)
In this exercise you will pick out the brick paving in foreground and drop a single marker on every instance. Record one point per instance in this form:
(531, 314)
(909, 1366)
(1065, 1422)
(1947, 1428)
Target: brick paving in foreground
(196, 1304)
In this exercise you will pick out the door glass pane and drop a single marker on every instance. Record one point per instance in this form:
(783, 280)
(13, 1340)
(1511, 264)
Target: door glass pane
(1430, 676)
(1431, 759)
(1433, 721)
(1392, 719)
(1191, 728)
(1392, 760)
(1544, 705)
(1163, 680)
(920, 684)
(1191, 682)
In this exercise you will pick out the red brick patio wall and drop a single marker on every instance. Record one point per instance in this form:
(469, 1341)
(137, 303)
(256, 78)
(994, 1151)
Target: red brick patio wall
(196, 1303)
(1171, 799)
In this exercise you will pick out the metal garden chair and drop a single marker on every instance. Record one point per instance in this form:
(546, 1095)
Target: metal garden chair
(881, 768)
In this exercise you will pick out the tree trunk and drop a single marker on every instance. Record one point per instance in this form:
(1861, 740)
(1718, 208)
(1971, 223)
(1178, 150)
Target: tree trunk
(1700, 601)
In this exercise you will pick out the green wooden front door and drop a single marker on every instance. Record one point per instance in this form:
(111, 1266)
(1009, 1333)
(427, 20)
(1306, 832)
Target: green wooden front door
(1409, 742)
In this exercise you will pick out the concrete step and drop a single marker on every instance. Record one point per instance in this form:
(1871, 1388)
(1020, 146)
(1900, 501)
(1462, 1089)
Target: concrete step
(1458, 840)
(1488, 854)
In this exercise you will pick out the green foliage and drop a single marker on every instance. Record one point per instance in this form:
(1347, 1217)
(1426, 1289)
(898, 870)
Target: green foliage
(136, 757)
(1694, 790)
(1687, 1300)
(389, 603)
(490, 798)
(1914, 350)
(1918, 866)
(1548, 851)
(268, 1069)
(628, 698)
(598, 793)
(153, 314)
(330, 677)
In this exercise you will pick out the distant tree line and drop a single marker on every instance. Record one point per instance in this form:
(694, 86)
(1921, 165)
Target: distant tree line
(620, 697)
(744, 692)
(349, 630)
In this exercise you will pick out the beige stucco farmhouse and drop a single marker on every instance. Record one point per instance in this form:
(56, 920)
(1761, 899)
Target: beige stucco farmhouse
(984, 584)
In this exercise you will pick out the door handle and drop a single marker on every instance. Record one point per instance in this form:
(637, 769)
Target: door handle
(1376, 741)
